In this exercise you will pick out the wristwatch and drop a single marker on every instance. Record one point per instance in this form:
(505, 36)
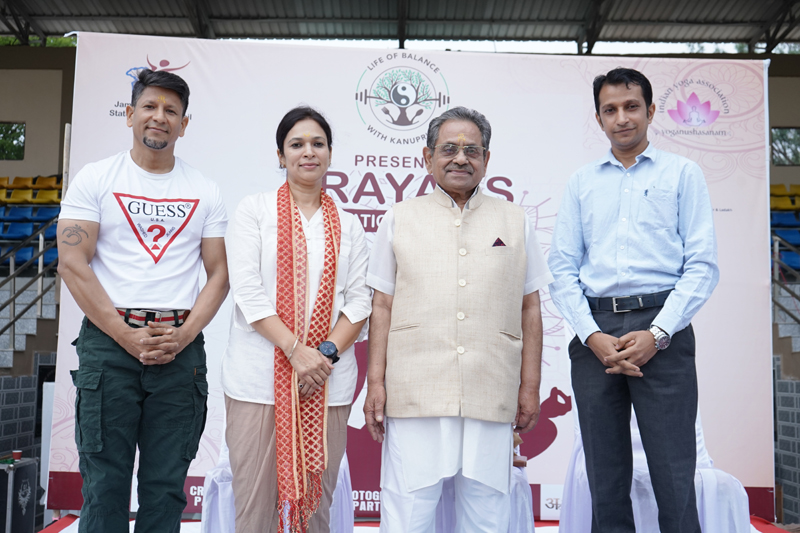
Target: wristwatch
(662, 339)
(329, 350)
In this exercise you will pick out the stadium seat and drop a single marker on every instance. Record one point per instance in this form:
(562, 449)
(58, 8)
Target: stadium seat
(17, 214)
(779, 190)
(21, 257)
(21, 183)
(43, 214)
(50, 233)
(782, 219)
(792, 259)
(46, 197)
(50, 255)
(4, 182)
(46, 182)
(792, 236)
(20, 196)
(18, 230)
(779, 203)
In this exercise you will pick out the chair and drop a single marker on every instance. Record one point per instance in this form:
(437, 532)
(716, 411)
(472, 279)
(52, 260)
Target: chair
(779, 190)
(43, 214)
(782, 219)
(781, 203)
(21, 183)
(46, 182)
(722, 503)
(794, 190)
(50, 233)
(4, 182)
(791, 259)
(50, 255)
(22, 256)
(20, 196)
(18, 231)
(44, 196)
(792, 236)
(18, 214)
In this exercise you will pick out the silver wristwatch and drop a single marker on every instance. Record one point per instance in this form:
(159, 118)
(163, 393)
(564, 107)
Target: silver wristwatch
(662, 339)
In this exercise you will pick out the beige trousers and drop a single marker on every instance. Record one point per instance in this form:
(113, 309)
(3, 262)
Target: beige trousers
(250, 435)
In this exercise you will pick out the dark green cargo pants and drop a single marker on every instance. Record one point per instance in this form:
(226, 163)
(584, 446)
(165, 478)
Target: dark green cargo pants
(120, 404)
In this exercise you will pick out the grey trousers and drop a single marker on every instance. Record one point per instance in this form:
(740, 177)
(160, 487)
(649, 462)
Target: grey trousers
(665, 400)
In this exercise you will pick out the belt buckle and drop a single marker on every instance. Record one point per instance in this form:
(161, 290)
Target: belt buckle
(614, 304)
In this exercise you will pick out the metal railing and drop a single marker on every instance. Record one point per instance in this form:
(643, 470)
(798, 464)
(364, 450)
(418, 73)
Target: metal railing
(777, 284)
(14, 273)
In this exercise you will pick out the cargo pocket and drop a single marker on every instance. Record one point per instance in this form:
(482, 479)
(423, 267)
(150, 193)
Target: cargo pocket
(88, 409)
(198, 424)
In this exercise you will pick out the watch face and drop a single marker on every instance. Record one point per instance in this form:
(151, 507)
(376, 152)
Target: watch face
(663, 342)
(328, 349)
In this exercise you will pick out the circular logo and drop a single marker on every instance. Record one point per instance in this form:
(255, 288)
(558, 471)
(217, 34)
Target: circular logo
(402, 98)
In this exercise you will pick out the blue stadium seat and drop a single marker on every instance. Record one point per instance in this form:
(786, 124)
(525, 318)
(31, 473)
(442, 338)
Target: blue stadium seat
(784, 219)
(21, 256)
(50, 233)
(792, 236)
(44, 213)
(17, 230)
(18, 214)
(792, 259)
(50, 255)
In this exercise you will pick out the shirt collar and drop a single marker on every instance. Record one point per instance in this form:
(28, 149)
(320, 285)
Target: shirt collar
(649, 153)
(475, 200)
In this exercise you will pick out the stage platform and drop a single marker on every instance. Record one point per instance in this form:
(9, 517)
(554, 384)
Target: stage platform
(69, 524)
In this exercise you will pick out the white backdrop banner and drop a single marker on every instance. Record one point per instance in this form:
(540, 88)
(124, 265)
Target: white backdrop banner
(379, 103)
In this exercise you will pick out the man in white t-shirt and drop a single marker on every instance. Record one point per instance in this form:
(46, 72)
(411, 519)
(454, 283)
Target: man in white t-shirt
(135, 230)
(455, 338)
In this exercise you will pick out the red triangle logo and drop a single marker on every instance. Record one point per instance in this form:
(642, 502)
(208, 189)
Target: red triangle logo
(156, 222)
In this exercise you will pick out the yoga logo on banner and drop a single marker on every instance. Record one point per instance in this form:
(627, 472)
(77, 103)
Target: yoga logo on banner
(398, 93)
(694, 114)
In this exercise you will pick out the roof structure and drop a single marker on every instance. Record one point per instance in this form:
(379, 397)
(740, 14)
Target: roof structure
(758, 23)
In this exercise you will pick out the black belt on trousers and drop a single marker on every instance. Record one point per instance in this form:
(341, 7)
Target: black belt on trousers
(623, 304)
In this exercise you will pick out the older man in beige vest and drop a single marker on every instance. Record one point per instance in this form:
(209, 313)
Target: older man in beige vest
(455, 338)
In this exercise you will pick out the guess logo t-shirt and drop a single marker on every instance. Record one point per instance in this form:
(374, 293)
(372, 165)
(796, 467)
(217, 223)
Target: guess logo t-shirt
(151, 226)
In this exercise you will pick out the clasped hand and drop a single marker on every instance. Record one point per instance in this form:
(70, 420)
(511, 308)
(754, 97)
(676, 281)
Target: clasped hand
(312, 369)
(623, 355)
(155, 344)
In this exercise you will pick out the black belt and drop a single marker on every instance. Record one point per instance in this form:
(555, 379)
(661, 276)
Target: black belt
(623, 304)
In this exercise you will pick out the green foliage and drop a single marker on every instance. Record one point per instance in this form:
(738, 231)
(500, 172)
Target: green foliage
(786, 146)
(383, 88)
(12, 141)
(52, 42)
(787, 48)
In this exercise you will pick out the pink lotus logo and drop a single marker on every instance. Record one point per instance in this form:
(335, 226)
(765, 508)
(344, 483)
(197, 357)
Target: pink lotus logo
(693, 113)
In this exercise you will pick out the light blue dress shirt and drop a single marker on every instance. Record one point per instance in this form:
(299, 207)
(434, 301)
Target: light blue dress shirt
(627, 232)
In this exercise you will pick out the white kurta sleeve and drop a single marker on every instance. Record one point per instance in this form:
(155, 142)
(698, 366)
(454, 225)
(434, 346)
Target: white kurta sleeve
(244, 263)
(382, 263)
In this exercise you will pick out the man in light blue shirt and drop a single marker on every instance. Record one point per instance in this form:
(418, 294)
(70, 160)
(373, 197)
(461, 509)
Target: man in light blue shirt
(634, 257)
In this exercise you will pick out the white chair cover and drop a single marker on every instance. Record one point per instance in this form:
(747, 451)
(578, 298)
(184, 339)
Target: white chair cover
(722, 503)
(219, 512)
(521, 505)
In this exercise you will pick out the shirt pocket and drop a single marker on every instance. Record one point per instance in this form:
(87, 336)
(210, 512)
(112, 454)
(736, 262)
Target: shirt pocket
(658, 209)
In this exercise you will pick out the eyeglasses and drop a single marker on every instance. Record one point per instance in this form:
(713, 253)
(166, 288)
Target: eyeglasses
(451, 150)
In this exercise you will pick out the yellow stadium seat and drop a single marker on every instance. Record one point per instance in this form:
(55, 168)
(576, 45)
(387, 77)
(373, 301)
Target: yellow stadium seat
(21, 183)
(779, 190)
(4, 182)
(779, 203)
(20, 196)
(46, 182)
(2, 196)
(45, 196)
(794, 190)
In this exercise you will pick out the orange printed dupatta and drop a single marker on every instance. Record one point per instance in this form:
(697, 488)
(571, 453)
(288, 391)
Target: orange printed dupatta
(301, 426)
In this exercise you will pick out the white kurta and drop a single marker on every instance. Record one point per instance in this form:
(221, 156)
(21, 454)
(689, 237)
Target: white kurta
(248, 363)
(434, 448)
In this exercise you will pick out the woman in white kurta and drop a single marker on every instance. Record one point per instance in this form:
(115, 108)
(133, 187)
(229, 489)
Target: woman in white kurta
(291, 253)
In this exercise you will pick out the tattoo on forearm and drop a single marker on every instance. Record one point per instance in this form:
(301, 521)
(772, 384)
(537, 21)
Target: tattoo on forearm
(73, 235)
